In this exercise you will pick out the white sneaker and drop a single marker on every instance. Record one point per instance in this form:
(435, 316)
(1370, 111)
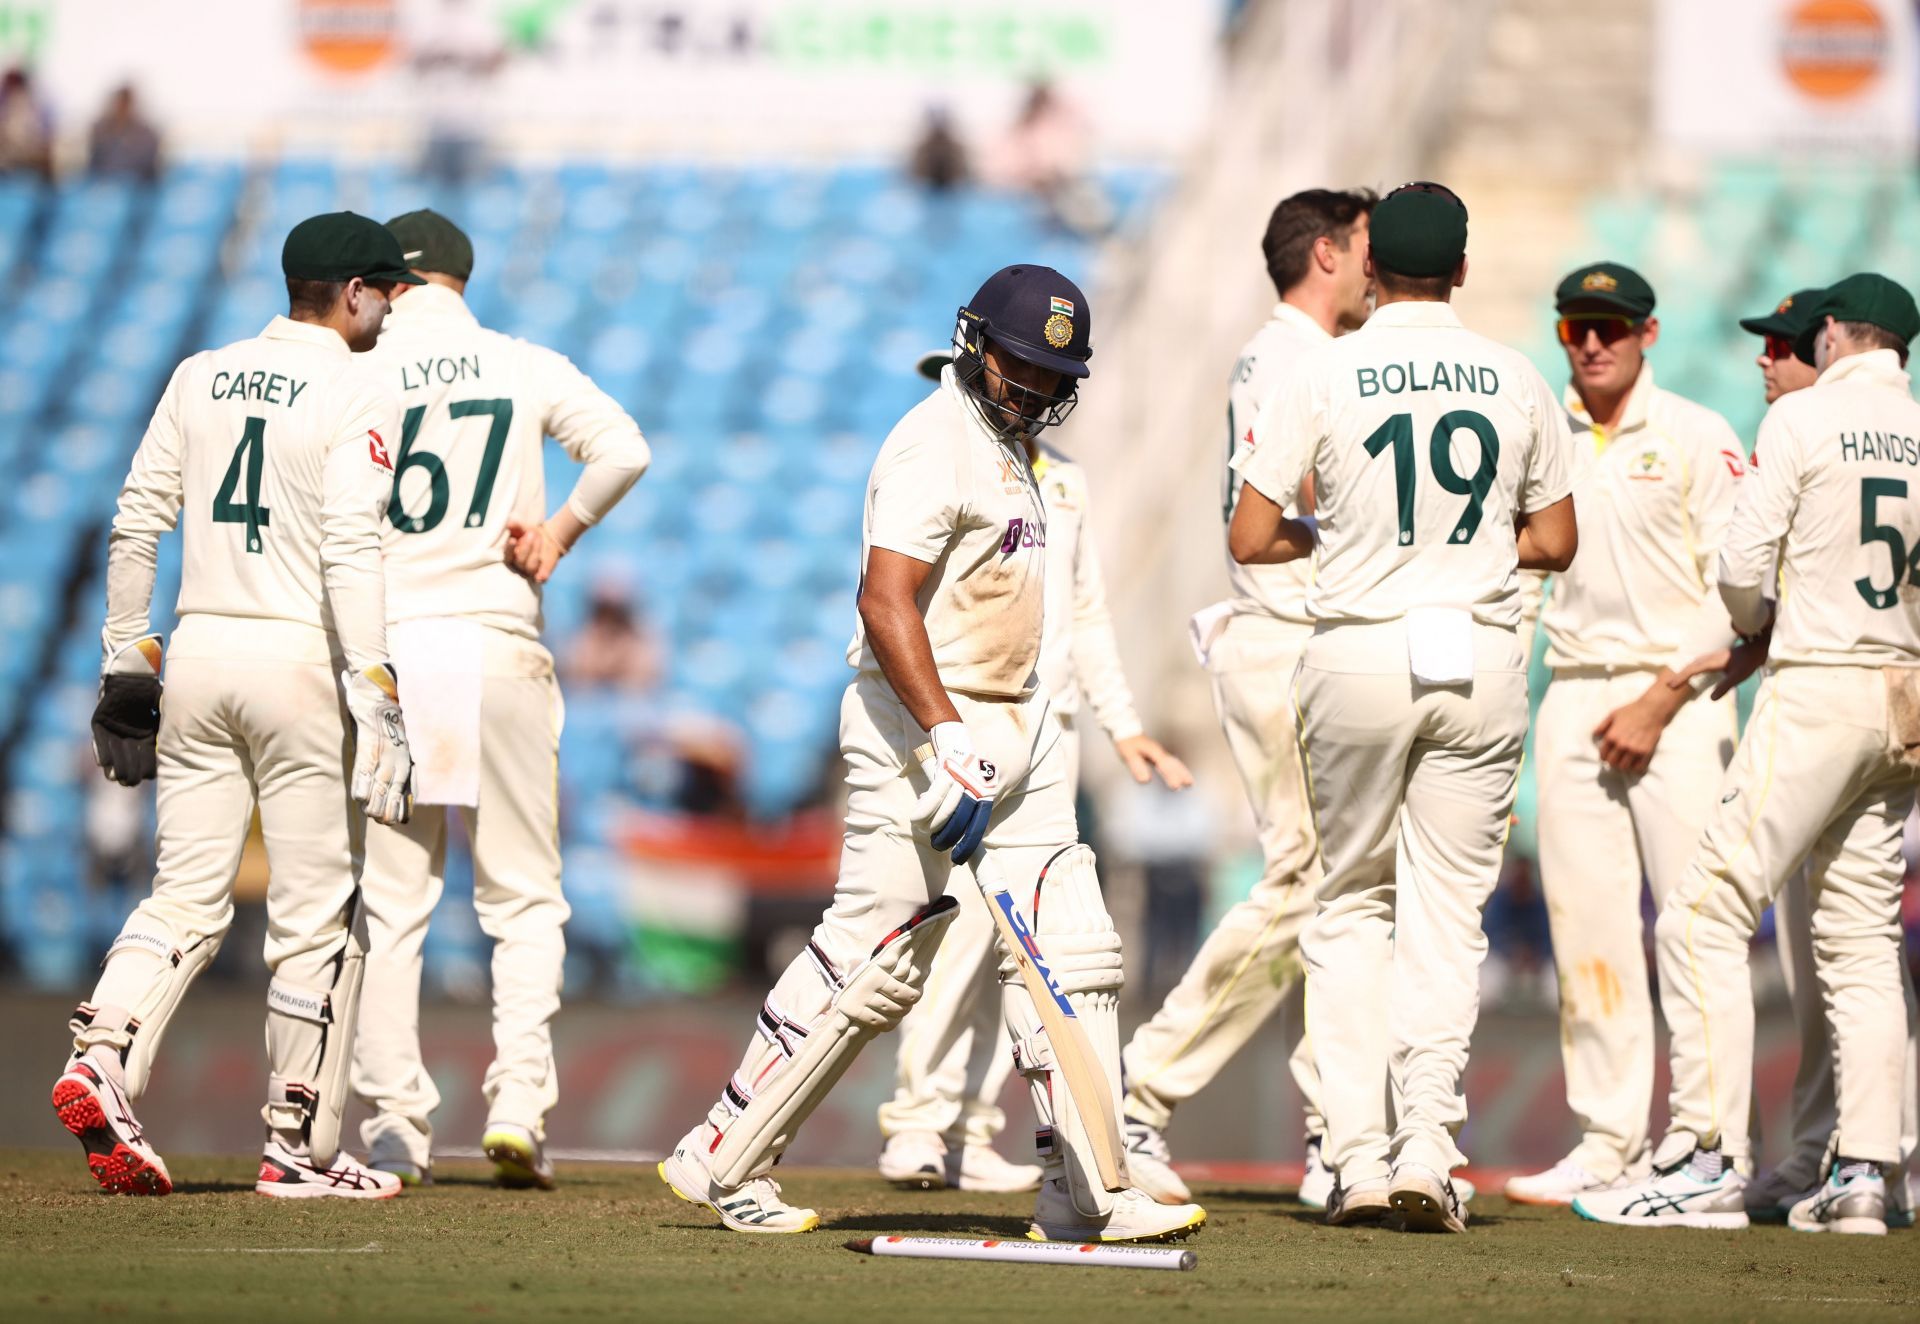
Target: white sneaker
(1150, 1164)
(984, 1168)
(1463, 1190)
(755, 1206)
(1851, 1199)
(1903, 1193)
(1771, 1197)
(1316, 1185)
(391, 1151)
(916, 1160)
(519, 1158)
(96, 1110)
(1366, 1201)
(286, 1175)
(1682, 1195)
(1136, 1216)
(1559, 1184)
(1425, 1200)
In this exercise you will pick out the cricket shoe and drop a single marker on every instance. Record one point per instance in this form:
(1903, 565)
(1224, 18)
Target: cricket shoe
(519, 1158)
(91, 1104)
(755, 1206)
(286, 1175)
(1903, 1192)
(1316, 1184)
(1425, 1200)
(983, 1168)
(1770, 1198)
(1852, 1199)
(1150, 1164)
(1367, 1201)
(1562, 1183)
(915, 1160)
(1135, 1216)
(1703, 1189)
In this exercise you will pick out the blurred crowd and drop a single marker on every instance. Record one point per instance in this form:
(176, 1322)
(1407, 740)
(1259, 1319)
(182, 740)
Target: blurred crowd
(121, 142)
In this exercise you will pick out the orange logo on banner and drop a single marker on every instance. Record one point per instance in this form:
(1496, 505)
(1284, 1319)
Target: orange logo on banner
(348, 36)
(1833, 49)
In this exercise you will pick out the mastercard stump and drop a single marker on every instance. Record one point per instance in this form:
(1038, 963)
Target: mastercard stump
(1086, 1255)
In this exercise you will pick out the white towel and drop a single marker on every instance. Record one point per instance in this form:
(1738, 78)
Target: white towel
(1440, 645)
(1203, 631)
(440, 660)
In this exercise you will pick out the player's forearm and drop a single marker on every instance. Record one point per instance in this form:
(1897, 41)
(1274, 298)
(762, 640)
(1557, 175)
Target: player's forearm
(1262, 535)
(601, 486)
(1747, 605)
(131, 563)
(1103, 683)
(898, 637)
(353, 566)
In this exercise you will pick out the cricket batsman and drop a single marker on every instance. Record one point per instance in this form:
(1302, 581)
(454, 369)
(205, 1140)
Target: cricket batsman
(949, 635)
(1824, 774)
(954, 1058)
(1440, 469)
(1628, 765)
(1315, 247)
(469, 548)
(272, 457)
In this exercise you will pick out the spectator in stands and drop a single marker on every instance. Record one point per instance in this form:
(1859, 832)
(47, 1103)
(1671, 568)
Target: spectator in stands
(939, 158)
(26, 130)
(456, 55)
(614, 650)
(122, 142)
(1046, 153)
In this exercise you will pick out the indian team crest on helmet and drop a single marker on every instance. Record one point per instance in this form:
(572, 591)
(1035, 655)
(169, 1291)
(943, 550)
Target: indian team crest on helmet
(1599, 280)
(1059, 327)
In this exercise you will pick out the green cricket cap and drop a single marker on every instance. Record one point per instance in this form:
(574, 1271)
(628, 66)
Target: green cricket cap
(1865, 296)
(1788, 319)
(339, 246)
(1419, 229)
(431, 242)
(1608, 285)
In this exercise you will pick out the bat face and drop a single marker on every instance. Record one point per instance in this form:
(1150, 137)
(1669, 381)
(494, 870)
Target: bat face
(1031, 950)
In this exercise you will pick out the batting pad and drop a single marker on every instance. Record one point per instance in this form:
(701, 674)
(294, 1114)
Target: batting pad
(173, 963)
(812, 1027)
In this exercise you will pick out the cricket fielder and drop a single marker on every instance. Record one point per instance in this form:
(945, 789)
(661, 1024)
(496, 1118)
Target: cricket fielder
(469, 548)
(1824, 774)
(951, 600)
(1440, 468)
(1628, 765)
(271, 455)
(1249, 967)
(953, 1061)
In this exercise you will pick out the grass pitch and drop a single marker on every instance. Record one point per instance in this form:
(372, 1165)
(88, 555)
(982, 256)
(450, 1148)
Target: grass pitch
(615, 1243)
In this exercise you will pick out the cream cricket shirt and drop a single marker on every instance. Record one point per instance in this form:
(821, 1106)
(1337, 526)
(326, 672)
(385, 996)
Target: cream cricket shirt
(274, 456)
(945, 490)
(1426, 442)
(1079, 659)
(1654, 500)
(477, 404)
(1288, 336)
(1835, 494)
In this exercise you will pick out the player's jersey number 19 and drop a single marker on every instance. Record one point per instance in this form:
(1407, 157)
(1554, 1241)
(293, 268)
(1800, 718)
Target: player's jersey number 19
(438, 488)
(1396, 435)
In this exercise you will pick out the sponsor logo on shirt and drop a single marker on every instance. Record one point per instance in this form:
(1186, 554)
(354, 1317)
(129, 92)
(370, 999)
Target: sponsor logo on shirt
(1022, 533)
(377, 449)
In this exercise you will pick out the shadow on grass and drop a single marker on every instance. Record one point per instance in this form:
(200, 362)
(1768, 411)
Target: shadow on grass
(911, 1224)
(1318, 1218)
(1246, 1195)
(211, 1187)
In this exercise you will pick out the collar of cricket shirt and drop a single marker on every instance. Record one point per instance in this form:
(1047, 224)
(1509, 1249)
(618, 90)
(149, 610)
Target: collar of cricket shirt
(1300, 320)
(1414, 313)
(1633, 416)
(1876, 365)
(432, 300)
(283, 327)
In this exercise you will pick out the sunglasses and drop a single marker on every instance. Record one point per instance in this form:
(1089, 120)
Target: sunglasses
(1778, 348)
(1609, 327)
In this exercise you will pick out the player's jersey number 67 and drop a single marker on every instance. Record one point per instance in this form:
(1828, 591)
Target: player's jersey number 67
(501, 412)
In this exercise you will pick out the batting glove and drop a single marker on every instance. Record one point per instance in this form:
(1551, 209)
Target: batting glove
(126, 721)
(382, 762)
(959, 800)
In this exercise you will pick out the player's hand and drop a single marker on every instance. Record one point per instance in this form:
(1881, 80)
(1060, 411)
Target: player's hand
(382, 760)
(1629, 734)
(533, 550)
(1145, 756)
(959, 799)
(1733, 665)
(126, 721)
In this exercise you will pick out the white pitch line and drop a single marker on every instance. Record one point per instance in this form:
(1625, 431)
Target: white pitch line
(566, 1155)
(371, 1248)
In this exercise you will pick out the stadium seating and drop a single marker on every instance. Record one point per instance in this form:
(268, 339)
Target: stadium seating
(760, 323)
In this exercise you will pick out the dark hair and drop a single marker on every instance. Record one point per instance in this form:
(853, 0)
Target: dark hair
(315, 298)
(1413, 287)
(1303, 218)
(1876, 336)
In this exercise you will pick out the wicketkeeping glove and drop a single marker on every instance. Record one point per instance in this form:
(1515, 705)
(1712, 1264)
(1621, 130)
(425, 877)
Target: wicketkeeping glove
(382, 762)
(126, 721)
(956, 806)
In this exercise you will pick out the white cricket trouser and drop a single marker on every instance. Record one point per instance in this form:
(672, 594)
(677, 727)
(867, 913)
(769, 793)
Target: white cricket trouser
(1428, 773)
(1814, 1111)
(1249, 966)
(1599, 830)
(1818, 777)
(241, 725)
(516, 893)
